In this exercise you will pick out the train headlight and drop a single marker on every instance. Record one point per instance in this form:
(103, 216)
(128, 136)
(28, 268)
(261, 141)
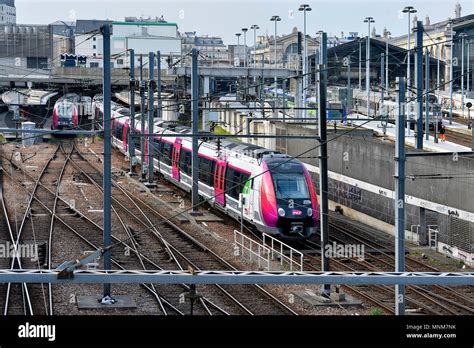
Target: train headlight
(310, 212)
(281, 212)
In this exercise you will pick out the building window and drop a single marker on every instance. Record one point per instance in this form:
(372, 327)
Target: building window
(95, 54)
(119, 61)
(94, 47)
(36, 63)
(94, 39)
(94, 65)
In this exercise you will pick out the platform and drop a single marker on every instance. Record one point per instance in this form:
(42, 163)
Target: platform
(429, 145)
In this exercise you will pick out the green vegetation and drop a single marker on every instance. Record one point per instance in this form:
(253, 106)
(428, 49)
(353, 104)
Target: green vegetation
(376, 311)
(220, 131)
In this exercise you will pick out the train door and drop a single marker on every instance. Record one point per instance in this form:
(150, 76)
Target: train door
(219, 181)
(125, 133)
(175, 158)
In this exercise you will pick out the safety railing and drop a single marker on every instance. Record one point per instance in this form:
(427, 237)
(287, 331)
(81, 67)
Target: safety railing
(256, 252)
(292, 257)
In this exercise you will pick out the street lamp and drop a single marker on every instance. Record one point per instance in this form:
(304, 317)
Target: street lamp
(275, 19)
(305, 8)
(450, 27)
(437, 65)
(409, 10)
(368, 20)
(468, 65)
(245, 45)
(238, 46)
(463, 36)
(387, 36)
(254, 27)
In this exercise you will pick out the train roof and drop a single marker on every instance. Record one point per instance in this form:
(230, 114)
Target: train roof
(227, 145)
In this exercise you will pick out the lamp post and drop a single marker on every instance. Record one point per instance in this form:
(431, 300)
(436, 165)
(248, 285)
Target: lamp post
(254, 27)
(245, 45)
(368, 20)
(305, 8)
(437, 65)
(468, 86)
(238, 45)
(450, 27)
(409, 10)
(387, 36)
(463, 36)
(275, 19)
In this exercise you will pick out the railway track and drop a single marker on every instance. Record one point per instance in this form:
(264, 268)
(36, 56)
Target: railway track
(430, 300)
(89, 234)
(185, 251)
(448, 300)
(34, 236)
(459, 138)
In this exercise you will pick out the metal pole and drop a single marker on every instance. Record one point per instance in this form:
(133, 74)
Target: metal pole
(158, 86)
(131, 139)
(400, 197)
(305, 58)
(151, 114)
(419, 85)
(245, 48)
(451, 76)
(437, 70)
(462, 72)
(382, 76)
(142, 119)
(195, 120)
(255, 47)
(360, 65)
(323, 176)
(409, 57)
(427, 95)
(468, 64)
(276, 82)
(349, 94)
(387, 84)
(107, 176)
(367, 73)
(323, 158)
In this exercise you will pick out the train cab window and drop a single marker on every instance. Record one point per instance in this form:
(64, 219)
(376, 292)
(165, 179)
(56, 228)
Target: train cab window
(206, 171)
(185, 162)
(234, 182)
(166, 152)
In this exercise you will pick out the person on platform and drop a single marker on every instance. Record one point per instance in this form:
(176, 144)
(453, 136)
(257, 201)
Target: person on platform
(442, 134)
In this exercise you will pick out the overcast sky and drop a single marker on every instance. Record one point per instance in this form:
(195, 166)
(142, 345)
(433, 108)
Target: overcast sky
(225, 18)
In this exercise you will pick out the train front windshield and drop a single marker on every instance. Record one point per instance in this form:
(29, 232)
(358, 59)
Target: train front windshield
(65, 110)
(289, 180)
(291, 186)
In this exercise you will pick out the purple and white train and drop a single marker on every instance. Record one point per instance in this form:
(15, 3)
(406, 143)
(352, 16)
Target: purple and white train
(280, 198)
